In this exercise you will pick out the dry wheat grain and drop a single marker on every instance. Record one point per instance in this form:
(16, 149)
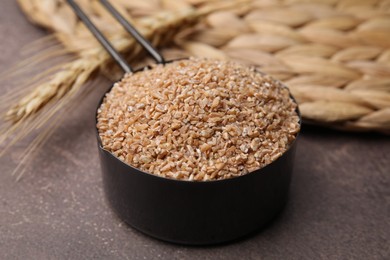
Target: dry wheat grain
(198, 119)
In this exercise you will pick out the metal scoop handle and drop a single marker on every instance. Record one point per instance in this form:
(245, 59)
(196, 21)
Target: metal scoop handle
(106, 43)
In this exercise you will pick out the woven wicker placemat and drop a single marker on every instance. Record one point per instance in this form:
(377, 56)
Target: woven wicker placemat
(334, 55)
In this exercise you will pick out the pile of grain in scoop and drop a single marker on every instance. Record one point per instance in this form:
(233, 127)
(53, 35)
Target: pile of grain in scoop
(198, 120)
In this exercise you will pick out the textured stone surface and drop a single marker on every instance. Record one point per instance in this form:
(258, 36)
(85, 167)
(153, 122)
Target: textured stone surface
(338, 207)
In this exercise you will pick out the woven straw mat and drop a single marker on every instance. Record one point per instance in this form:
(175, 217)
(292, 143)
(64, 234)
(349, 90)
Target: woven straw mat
(334, 55)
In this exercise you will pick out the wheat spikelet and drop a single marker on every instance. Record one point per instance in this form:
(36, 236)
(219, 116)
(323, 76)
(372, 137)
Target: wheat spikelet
(72, 76)
(333, 111)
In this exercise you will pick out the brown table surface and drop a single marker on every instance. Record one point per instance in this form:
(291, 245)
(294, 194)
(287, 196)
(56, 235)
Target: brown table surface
(339, 205)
